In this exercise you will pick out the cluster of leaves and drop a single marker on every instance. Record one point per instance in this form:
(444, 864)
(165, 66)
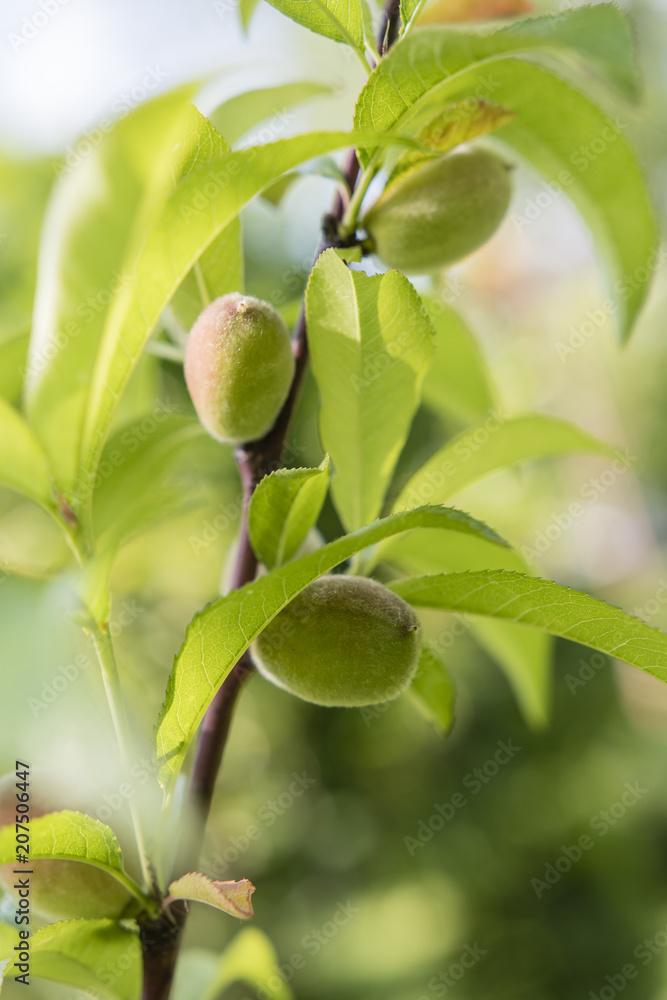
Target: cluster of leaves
(166, 190)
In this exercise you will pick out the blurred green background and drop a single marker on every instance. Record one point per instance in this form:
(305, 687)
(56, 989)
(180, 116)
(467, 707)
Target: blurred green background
(367, 890)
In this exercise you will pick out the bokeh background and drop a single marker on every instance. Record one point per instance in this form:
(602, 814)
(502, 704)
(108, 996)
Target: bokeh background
(357, 904)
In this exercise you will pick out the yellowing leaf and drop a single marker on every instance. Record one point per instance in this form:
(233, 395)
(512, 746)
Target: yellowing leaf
(461, 122)
(232, 897)
(461, 11)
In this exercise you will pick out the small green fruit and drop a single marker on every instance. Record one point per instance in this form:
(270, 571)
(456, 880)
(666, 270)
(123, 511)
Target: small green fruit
(345, 640)
(239, 367)
(59, 890)
(440, 211)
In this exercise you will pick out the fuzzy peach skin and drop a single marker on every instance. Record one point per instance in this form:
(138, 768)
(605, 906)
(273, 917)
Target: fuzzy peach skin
(344, 641)
(239, 367)
(440, 211)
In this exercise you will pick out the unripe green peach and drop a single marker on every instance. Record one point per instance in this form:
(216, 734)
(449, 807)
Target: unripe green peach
(345, 640)
(59, 890)
(239, 367)
(440, 211)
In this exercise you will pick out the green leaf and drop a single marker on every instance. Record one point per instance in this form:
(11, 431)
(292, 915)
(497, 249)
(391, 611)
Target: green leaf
(276, 192)
(137, 485)
(203, 203)
(342, 20)
(94, 224)
(583, 152)
(458, 383)
(558, 130)
(408, 8)
(422, 68)
(9, 937)
(23, 464)
(221, 633)
(71, 836)
(24, 191)
(544, 605)
(220, 268)
(491, 445)
(283, 509)
(432, 691)
(13, 355)
(371, 343)
(194, 972)
(246, 10)
(135, 464)
(240, 114)
(461, 122)
(101, 957)
(250, 959)
(473, 454)
(369, 31)
(524, 655)
(232, 897)
(349, 254)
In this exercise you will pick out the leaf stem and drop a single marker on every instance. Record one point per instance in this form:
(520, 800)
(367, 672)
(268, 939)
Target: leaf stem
(349, 221)
(346, 35)
(416, 14)
(201, 284)
(173, 328)
(105, 654)
(161, 349)
(254, 460)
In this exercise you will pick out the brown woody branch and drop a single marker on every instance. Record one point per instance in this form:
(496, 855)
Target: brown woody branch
(161, 937)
